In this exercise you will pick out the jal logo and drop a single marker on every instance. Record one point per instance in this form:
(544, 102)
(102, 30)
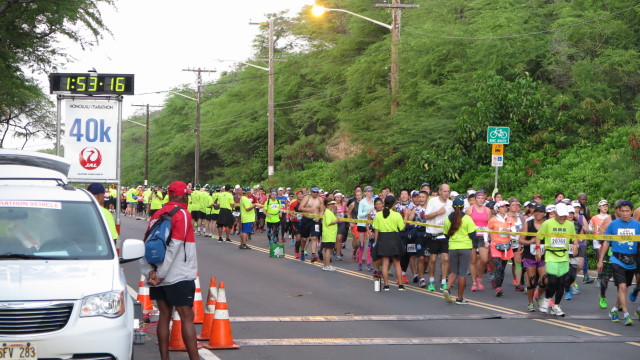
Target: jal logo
(90, 158)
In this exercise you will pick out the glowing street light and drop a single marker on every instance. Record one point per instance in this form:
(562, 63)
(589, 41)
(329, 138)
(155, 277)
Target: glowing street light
(395, 6)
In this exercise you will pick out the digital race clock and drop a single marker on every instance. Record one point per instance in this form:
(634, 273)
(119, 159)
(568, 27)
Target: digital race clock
(91, 84)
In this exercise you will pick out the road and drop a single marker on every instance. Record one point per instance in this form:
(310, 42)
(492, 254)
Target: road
(287, 309)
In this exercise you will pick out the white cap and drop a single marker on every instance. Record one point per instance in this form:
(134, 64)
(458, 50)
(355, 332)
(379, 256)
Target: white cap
(280, 189)
(551, 208)
(237, 187)
(455, 194)
(562, 210)
(575, 203)
(471, 192)
(500, 204)
(603, 202)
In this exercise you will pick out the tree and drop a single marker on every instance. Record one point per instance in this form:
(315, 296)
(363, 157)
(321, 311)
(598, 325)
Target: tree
(30, 32)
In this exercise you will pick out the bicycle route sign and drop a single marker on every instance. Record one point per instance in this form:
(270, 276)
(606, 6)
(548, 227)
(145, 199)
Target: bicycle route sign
(498, 135)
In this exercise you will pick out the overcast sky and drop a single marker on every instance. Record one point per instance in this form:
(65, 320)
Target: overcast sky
(156, 39)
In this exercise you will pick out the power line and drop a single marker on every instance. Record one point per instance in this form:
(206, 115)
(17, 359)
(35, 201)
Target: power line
(543, 32)
(310, 103)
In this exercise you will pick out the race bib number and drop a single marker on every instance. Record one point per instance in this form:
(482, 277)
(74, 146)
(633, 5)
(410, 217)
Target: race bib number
(480, 230)
(558, 242)
(299, 217)
(317, 227)
(533, 250)
(440, 223)
(274, 206)
(626, 231)
(235, 213)
(411, 248)
(503, 230)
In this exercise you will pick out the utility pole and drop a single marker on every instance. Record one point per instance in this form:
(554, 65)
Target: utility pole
(146, 143)
(396, 8)
(270, 98)
(198, 71)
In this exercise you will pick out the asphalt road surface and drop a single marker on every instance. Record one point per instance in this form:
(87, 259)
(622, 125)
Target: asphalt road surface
(288, 309)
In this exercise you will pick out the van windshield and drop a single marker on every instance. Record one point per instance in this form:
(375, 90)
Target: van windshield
(52, 230)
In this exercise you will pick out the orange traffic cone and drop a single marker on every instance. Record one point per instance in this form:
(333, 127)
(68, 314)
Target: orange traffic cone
(198, 307)
(209, 310)
(221, 337)
(143, 295)
(175, 340)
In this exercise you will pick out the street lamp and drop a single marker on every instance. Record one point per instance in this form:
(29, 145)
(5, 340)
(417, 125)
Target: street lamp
(395, 6)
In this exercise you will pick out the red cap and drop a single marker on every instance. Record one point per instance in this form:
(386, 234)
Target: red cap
(298, 192)
(177, 188)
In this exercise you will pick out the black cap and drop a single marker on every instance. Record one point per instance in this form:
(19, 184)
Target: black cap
(540, 208)
(624, 203)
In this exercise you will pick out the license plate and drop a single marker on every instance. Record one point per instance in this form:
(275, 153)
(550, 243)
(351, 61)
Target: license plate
(18, 351)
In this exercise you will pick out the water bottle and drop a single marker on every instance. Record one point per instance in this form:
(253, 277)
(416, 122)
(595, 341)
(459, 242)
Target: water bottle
(376, 285)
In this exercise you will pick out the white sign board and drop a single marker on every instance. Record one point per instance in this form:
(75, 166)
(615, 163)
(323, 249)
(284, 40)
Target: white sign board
(497, 160)
(91, 139)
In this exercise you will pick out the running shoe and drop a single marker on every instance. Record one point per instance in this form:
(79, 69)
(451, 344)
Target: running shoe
(443, 286)
(576, 289)
(385, 288)
(302, 254)
(514, 282)
(613, 315)
(603, 303)
(401, 288)
(557, 311)
(423, 283)
(474, 287)
(447, 296)
(314, 258)
(331, 268)
(297, 255)
(359, 267)
(369, 267)
(499, 292)
(404, 279)
(244, 247)
(480, 286)
(344, 245)
(567, 295)
(415, 279)
(634, 295)
(638, 313)
(324, 268)
(338, 257)
(461, 301)
(588, 280)
(220, 239)
(491, 276)
(627, 320)
(519, 288)
(229, 240)
(544, 306)
(531, 307)
(376, 274)
(431, 287)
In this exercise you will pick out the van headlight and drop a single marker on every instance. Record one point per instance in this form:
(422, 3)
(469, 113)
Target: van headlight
(109, 304)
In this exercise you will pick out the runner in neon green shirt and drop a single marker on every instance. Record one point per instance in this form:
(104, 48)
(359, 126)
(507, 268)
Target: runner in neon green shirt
(329, 233)
(247, 216)
(272, 209)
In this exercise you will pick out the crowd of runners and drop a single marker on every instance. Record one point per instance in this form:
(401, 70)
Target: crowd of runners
(440, 237)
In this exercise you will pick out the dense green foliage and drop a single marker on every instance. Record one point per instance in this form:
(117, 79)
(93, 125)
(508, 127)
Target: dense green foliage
(30, 32)
(562, 75)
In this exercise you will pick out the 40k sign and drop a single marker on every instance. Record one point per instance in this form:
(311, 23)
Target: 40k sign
(91, 139)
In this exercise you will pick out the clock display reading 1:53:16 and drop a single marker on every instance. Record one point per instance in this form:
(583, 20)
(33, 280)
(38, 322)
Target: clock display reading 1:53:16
(91, 84)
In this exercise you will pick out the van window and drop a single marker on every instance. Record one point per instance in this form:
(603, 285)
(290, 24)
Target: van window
(53, 230)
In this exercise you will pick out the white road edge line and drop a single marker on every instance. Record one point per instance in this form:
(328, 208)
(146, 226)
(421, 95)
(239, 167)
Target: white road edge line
(207, 354)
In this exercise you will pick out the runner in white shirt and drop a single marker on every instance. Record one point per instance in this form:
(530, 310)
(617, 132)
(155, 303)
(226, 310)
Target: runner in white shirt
(438, 208)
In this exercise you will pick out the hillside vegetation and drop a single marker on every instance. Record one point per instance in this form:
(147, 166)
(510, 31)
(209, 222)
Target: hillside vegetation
(563, 75)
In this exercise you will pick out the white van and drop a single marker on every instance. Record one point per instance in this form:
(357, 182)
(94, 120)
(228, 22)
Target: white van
(63, 294)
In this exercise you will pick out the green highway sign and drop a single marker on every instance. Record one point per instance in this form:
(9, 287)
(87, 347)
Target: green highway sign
(498, 135)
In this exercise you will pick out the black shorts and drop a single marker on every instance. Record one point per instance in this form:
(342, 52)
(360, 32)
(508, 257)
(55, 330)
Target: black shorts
(476, 241)
(308, 228)
(437, 246)
(208, 217)
(622, 275)
(225, 218)
(295, 227)
(343, 229)
(178, 294)
(327, 245)
(362, 229)
(214, 217)
(151, 212)
(195, 215)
